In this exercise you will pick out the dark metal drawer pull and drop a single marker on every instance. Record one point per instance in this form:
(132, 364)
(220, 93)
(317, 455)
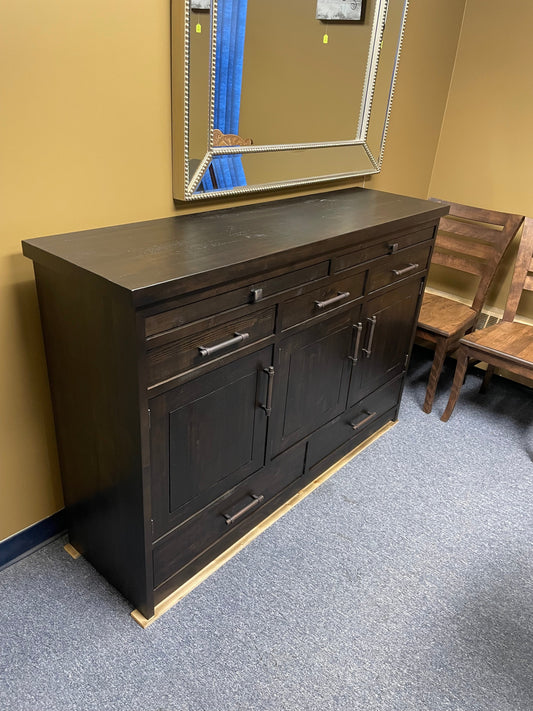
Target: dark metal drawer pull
(365, 421)
(359, 328)
(368, 350)
(209, 350)
(257, 499)
(256, 295)
(328, 302)
(270, 372)
(405, 270)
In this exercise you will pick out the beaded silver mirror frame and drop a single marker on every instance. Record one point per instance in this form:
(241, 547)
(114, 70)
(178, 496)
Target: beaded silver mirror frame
(338, 159)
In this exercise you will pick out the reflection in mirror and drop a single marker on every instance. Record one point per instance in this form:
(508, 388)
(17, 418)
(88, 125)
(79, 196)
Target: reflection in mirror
(293, 96)
(275, 97)
(262, 169)
(385, 77)
(198, 67)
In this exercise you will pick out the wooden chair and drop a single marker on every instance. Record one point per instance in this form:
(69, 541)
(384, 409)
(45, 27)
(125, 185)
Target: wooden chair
(507, 344)
(470, 240)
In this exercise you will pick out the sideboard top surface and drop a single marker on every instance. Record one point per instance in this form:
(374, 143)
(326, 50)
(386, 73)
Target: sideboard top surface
(143, 257)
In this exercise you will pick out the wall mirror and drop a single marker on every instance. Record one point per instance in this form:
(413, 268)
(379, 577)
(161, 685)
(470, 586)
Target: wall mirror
(270, 94)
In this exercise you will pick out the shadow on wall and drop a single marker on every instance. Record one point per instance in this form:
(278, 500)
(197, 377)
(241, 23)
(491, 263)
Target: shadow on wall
(28, 377)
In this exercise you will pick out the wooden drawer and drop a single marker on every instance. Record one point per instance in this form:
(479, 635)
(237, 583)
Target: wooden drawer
(389, 245)
(399, 266)
(358, 420)
(206, 340)
(338, 292)
(223, 516)
(173, 318)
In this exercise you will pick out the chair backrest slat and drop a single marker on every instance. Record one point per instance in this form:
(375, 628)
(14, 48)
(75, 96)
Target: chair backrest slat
(528, 284)
(473, 230)
(451, 243)
(491, 217)
(473, 240)
(456, 261)
(523, 271)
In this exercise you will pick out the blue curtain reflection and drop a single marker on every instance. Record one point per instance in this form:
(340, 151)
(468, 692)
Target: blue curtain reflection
(227, 172)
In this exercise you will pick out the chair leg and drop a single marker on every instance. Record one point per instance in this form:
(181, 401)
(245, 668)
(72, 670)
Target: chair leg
(434, 375)
(487, 378)
(458, 380)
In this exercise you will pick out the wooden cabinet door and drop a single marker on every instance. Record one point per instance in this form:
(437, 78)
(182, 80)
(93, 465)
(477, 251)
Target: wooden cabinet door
(206, 436)
(386, 331)
(312, 376)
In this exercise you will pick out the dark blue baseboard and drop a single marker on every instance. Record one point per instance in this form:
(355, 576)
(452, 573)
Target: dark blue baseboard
(32, 538)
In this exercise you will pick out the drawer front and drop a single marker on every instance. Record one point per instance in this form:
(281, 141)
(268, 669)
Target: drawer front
(391, 245)
(298, 277)
(319, 301)
(358, 420)
(203, 342)
(171, 319)
(223, 516)
(399, 266)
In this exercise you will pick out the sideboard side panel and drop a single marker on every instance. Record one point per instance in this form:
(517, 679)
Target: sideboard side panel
(90, 340)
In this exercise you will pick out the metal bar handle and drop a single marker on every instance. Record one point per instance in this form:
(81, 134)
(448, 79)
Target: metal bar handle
(328, 302)
(359, 328)
(405, 270)
(209, 350)
(270, 372)
(368, 350)
(359, 425)
(257, 499)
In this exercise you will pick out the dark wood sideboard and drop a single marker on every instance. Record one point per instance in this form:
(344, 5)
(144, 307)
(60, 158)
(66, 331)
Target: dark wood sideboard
(205, 368)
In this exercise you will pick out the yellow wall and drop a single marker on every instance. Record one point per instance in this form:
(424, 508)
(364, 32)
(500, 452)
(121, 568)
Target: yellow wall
(485, 153)
(427, 59)
(85, 142)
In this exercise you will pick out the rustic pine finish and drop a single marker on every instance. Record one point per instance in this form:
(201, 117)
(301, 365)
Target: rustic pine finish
(206, 368)
(508, 344)
(470, 240)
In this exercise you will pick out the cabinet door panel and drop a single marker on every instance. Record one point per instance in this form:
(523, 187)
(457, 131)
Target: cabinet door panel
(206, 436)
(219, 431)
(312, 375)
(388, 322)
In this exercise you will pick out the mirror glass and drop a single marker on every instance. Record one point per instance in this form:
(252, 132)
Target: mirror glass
(271, 94)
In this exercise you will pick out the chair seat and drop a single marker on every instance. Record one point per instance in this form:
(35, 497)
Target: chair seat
(511, 340)
(445, 317)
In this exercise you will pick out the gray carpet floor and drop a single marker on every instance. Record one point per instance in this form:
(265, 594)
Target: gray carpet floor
(404, 583)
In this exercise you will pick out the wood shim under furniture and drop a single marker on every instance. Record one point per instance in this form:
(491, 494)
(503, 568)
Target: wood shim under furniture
(209, 569)
(72, 551)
